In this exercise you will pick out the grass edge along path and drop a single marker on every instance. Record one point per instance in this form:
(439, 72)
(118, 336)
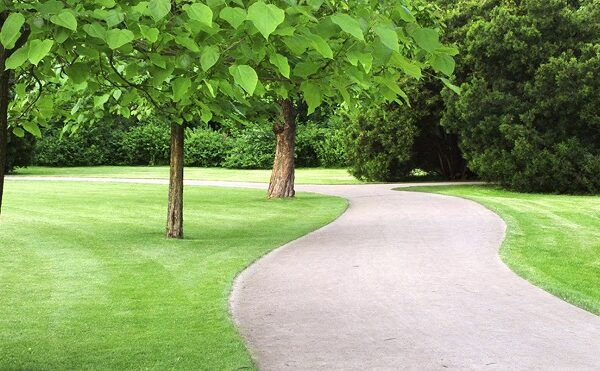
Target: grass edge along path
(303, 175)
(553, 241)
(88, 281)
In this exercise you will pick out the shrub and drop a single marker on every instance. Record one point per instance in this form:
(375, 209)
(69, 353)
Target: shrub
(205, 147)
(147, 144)
(251, 148)
(308, 137)
(20, 152)
(91, 145)
(379, 145)
(331, 146)
(528, 115)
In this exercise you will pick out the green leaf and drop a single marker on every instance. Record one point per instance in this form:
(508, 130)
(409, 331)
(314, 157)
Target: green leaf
(17, 59)
(187, 42)
(45, 107)
(95, 30)
(99, 101)
(443, 63)
(113, 18)
(78, 72)
(181, 86)
(406, 15)
(32, 128)
(406, 65)
(209, 57)
(201, 13)
(427, 38)
(11, 30)
(149, 33)
(50, 7)
(321, 46)
(312, 95)
(451, 86)
(18, 132)
(315, 4)
(366, 59)
(117, 37)
(297, 44)
(65, 19)
(234, 16)
(388, 37)
(348, 25)
(159, 9)
(39, 49)
(305, 69)
(206, 115)
(265, 17)
(158, 60)
(281, 62)
(244, 76)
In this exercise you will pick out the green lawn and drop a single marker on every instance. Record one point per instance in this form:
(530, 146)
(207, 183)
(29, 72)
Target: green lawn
(303, 176)
(552, 241)
(87, 280)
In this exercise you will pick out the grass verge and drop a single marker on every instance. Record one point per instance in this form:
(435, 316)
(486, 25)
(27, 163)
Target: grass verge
(303, 176)
(553, 241)
(87, 280)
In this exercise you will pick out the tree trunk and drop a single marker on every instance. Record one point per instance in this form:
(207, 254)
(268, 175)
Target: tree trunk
(175, 210)
(4, 99)
(282, 177)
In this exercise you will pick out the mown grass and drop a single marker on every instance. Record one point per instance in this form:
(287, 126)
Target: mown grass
(553, 241)
(87, 280)
(303, 176)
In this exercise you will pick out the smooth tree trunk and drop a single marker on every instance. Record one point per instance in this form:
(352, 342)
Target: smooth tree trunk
(175, 209)
(4, 99)
(282, 177)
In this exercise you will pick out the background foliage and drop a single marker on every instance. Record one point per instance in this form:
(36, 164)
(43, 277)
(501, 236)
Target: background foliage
(528, 116)
(126, 142)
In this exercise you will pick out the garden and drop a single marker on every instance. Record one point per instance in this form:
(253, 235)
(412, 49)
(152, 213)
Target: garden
(203, 184)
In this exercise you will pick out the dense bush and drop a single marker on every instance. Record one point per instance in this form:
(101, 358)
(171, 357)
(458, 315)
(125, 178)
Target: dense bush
(205, 147)
(308, 135)
(251, 148)
(19, 152)
(528, 116)
(380, 145)
(91, 145)
(331, 146)
(147, 144)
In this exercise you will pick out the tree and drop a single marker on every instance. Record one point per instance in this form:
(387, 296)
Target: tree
(335, 53)
(36, 41)
(528, 115)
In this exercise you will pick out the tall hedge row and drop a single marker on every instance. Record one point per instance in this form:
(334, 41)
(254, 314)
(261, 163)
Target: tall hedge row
(123, 143)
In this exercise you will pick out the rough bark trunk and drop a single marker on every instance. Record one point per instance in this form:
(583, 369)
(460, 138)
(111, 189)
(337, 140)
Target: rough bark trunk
(282, 177)
(175, 209)
(4, 99)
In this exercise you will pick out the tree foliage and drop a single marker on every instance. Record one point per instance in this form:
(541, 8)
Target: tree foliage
(528, 116)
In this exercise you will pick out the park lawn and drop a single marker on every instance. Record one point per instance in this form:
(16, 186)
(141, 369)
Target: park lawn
(87, 280)
(303, 176)
(553, 241)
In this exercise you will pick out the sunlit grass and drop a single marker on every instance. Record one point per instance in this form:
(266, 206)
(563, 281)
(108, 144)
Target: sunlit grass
(87, 280)
(303, 176)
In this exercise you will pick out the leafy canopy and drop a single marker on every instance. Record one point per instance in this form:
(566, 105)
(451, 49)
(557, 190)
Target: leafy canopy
(187, 60)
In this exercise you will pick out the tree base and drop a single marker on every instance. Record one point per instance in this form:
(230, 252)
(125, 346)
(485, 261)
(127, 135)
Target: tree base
(282, 177)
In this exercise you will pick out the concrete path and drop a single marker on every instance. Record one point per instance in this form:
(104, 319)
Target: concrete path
(402, 281)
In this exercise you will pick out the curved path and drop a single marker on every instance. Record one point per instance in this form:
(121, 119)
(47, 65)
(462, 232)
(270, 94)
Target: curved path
(403, 281)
